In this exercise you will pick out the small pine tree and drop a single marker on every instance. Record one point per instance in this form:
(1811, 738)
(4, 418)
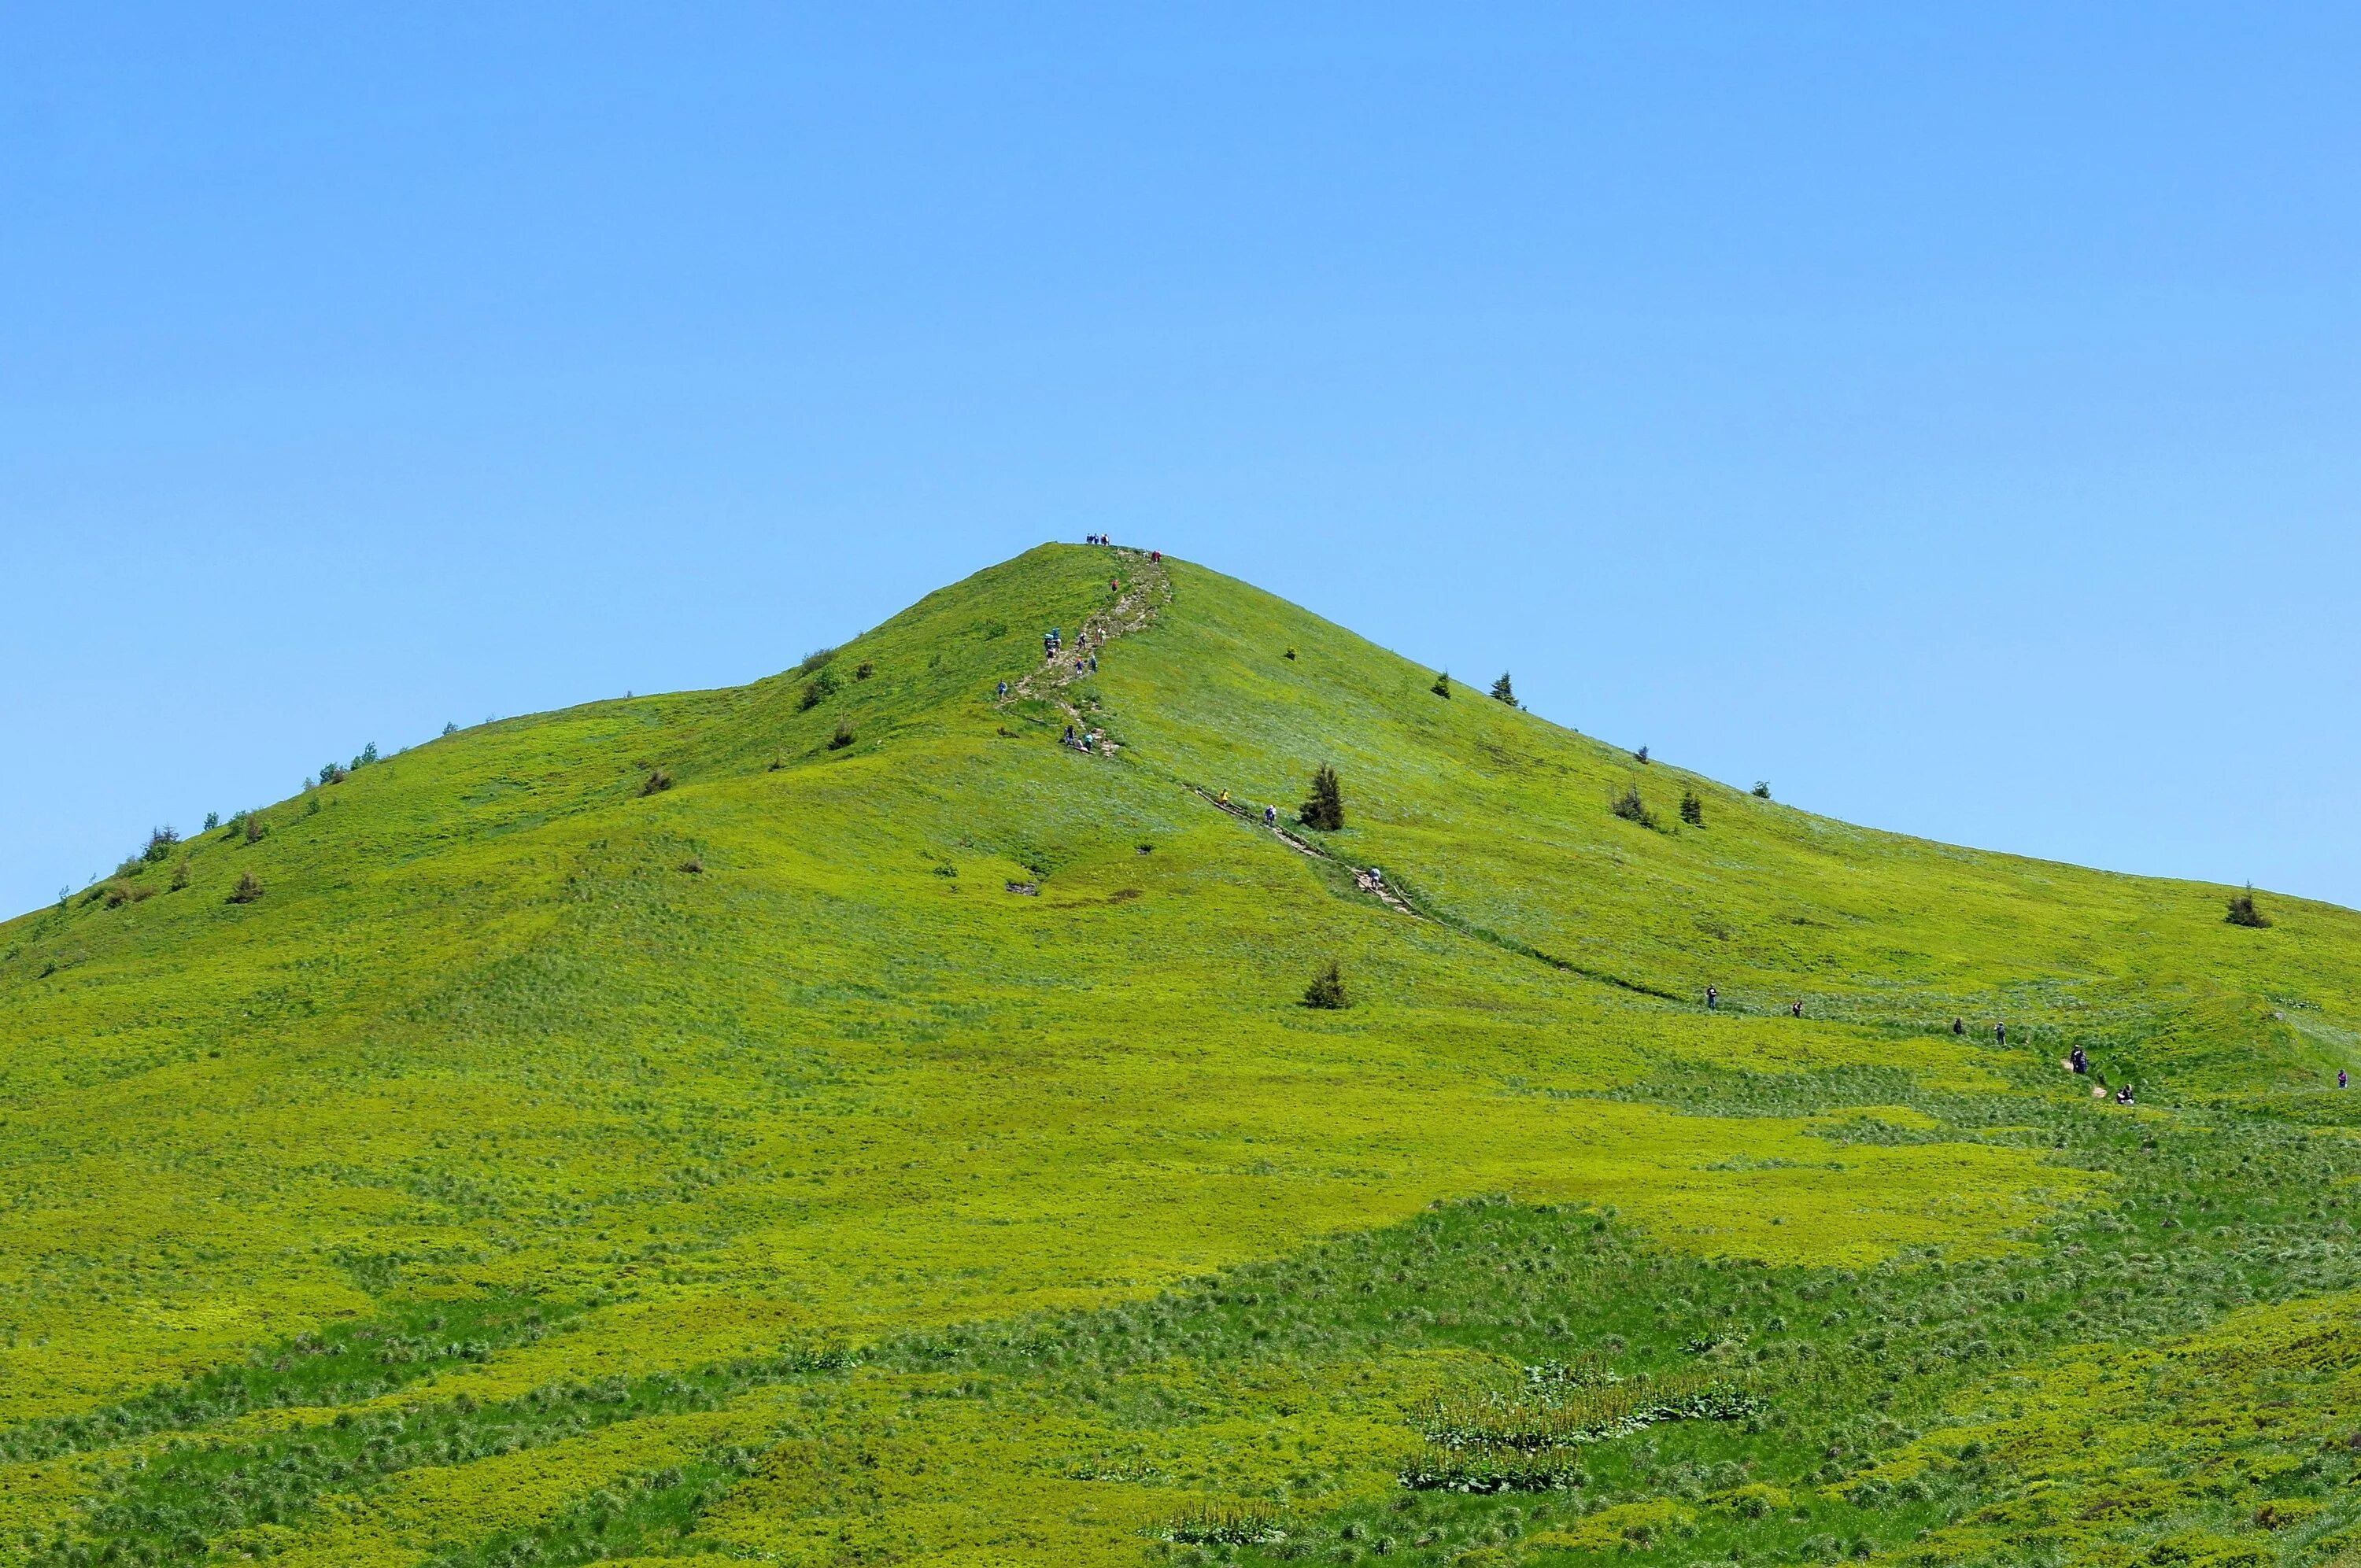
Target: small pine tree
(842, 737)
(1327, 989)
(863, 670)
(1325, 810)
(1631, 809)
(253, 824)
(161, 843)
(1441, 687)
(449, 728)
(1692, 808)
(246, 891)
(212, 820)
(1762, 789)
(2244, 913)
(1503, 692)
(658, 781)
(1640, 755)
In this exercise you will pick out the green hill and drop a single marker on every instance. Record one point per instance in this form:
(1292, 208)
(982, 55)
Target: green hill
(832, 1120)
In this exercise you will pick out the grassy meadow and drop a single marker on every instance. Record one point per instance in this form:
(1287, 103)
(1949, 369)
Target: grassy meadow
(831, 1121)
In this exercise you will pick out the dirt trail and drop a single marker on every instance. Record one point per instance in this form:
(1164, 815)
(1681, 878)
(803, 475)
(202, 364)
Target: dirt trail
(1146, 588)
(1365, 879)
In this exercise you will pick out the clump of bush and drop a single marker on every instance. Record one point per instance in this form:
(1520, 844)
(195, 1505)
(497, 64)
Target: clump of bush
(1325, 810)
(1631, 809)
(2244, 913)
(162, 842)
(251, 824)
(212, 820)
(1692, 808)
(246, 891)
(1327, 989)
(692, 865)
(1640, 755)
(842, 737)
(658, 782)
(817, 690)
(1762, 789)
(863, 670)
(814, 660)
(180, 875)
(1504, 692)
(1441, 687)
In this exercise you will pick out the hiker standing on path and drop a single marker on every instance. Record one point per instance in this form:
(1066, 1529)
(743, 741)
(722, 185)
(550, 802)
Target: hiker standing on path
(1003, 689)
(1712, 999)
(2076, 1061)
(1794, 1010)
(1958, 1026)
(2000, 1033)
(1271, 820)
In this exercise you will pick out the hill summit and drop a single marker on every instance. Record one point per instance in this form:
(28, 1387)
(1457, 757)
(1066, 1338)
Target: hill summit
(1193, 1083)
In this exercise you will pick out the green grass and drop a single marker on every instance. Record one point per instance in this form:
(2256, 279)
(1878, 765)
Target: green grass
(493, 1187)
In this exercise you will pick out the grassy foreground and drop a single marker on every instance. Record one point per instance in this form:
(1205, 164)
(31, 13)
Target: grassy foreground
(832, 1121)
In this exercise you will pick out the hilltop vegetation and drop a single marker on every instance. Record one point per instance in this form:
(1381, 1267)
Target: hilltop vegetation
(834, 1121)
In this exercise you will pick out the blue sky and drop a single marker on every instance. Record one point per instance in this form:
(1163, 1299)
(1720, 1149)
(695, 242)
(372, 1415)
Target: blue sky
(1948, 415)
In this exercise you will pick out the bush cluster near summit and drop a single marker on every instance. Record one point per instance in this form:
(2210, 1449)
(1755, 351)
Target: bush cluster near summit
(836, 1119)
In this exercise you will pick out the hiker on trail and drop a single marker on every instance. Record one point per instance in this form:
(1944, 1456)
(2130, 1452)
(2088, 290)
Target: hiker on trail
(1114, 586)
(1069, 734)
(1270, 819)
(2000, 1033)
(1958, 1026)
(1712, 998)
(1155, 554)
(1376, 878)
(2123, 1095)
(2076, 1061)
(1224, 800)
(1094, 664)
(1794, 1010)
(2339, 1078)
(1003, 689)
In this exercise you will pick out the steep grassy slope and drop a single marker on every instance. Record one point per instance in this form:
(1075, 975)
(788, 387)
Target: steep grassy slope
(549, 1167)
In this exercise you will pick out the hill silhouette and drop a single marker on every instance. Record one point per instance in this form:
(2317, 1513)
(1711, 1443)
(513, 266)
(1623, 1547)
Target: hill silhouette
(835, 1119)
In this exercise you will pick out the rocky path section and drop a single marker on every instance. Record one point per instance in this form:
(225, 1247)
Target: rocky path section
(1367, 880)
(1141, 587)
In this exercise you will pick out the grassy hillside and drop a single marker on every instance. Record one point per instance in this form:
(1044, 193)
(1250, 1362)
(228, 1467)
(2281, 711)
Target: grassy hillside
(658, 1130)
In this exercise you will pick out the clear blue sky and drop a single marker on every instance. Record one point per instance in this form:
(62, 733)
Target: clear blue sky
(1949, 416)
